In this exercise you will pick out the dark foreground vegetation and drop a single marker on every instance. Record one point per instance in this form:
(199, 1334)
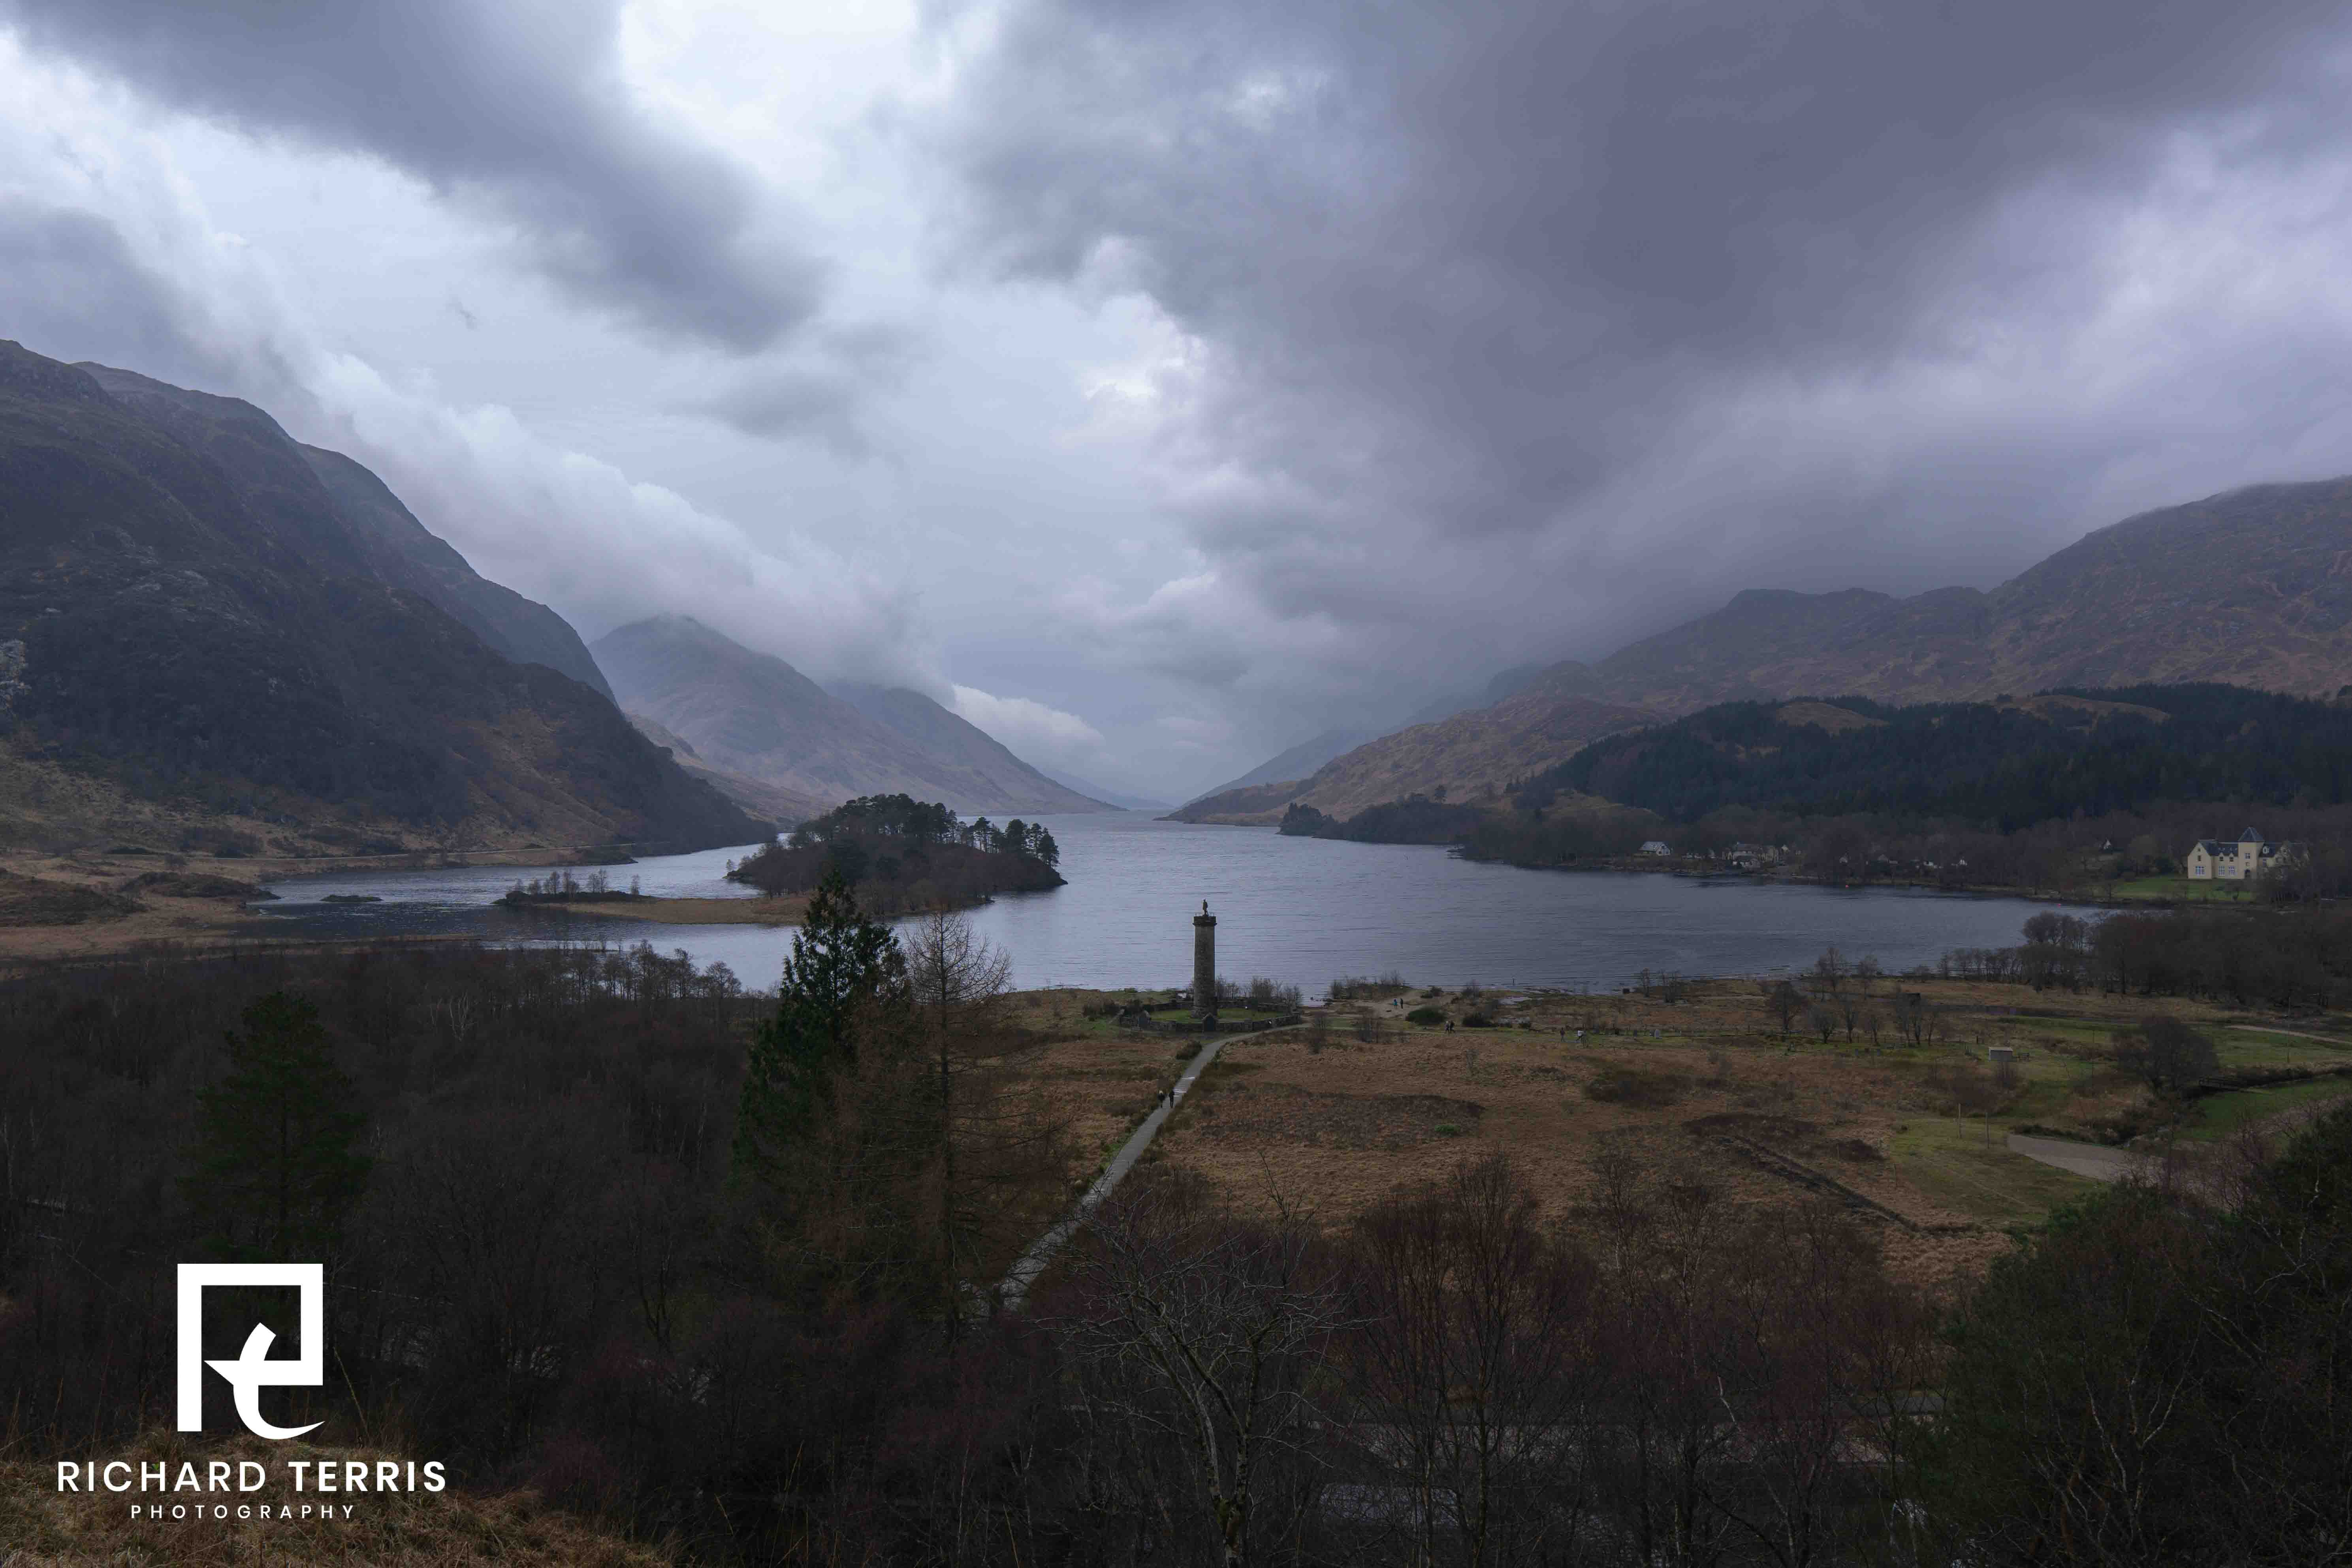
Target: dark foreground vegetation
(901, 853)
(714, 1269)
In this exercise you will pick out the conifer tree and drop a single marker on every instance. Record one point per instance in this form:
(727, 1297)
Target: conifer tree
(276, 1165)
(842, 962)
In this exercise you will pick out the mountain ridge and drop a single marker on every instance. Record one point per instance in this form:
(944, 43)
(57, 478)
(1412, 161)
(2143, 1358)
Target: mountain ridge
(2251, 586)
(753, 714)
(188, 615)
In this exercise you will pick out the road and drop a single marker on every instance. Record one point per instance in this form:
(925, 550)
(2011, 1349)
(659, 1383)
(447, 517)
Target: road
(2093, 1159)
(1032, 1263)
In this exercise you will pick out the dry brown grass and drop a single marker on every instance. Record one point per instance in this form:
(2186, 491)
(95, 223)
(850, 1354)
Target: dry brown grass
(41, 1527)
(1334, 1126)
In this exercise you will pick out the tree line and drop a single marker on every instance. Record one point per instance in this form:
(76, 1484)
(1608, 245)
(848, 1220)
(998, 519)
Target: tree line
(1996, 764)
(906, 854)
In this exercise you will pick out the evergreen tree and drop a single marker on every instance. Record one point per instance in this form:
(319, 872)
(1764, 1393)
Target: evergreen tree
(842, 962)
(276, 1165)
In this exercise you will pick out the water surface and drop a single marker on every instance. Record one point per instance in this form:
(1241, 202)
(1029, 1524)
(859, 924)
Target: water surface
(1299, 911)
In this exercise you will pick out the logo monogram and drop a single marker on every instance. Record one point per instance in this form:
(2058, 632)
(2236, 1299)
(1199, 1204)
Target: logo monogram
(252, 1371)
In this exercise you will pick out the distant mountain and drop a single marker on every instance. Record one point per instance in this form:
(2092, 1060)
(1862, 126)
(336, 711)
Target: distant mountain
(377, 535)
(1295, 763)
(188, 615)
(1301, 760)
(1118, 798)
(1468, 759)
(754, 715)
(785, 808)
(2252, 588)
(950, 738)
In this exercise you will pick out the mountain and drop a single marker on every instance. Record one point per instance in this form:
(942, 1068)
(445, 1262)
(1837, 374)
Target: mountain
(786, 808)
(1295, 763)
(1117, 798)
(950, 738)
(754, 715)
(1304, 759)
(406, 552)
(1468, 759)
(377, 535)
(188, 616)
(2252, 587)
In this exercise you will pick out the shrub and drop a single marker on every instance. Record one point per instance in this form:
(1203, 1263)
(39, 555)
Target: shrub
(1633, 1086)
(2166, 1053)
(1425, 1016)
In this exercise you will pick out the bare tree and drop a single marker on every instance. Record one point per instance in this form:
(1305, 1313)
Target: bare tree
(1867, 972)
(1205, 1328)
(1471, 1353)
(995, 1152)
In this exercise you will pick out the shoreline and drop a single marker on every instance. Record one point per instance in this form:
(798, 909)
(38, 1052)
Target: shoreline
(787, 911)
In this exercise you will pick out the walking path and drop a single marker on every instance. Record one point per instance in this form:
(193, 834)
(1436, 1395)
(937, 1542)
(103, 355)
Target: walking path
(2336, 1040)
(1041, 1252)
(2095, 1161)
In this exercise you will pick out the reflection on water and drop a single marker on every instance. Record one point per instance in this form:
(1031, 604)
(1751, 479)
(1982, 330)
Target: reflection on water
(1300, 911)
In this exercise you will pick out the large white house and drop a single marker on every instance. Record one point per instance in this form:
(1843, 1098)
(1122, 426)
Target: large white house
(2218, 860)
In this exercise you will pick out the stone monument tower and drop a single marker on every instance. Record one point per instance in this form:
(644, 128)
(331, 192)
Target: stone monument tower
(1204, 962)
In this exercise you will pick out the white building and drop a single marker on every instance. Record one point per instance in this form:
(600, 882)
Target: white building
(2218, 859)
(1655, 846)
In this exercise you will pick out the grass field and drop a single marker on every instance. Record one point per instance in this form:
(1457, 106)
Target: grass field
(2179, 890)
(1966, 1165)
(2217, 1116)
(1328, 1118)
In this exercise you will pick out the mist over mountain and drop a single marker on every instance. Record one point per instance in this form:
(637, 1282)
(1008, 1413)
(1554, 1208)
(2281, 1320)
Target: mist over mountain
(754, 715)
(341, 517)
(950, 738)
(2252, 587)
(201, 624)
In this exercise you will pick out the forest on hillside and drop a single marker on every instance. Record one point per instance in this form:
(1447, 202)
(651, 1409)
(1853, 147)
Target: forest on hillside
(1997, 765)
(2066, 797)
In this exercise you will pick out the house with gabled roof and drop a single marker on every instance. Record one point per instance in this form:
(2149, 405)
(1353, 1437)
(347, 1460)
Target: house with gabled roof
(2221, 861)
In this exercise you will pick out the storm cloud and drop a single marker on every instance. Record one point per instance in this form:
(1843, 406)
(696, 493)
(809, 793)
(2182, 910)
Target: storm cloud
(515, 107)
(1181, 377)
(1511, 328)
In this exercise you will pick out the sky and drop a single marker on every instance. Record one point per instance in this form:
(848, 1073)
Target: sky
(1160, 382)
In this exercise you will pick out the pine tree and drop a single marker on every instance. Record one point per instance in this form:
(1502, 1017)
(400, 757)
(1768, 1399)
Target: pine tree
(276, 1165)
(842, 962)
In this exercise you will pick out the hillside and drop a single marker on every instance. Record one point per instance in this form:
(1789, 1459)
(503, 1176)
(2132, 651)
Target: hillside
(950, 738)
(349, 519)
(1290, 764)
(2252, 588)
(200, 624)
(1469, 758)
(754, 715)
(781, 806)
(2004, 765)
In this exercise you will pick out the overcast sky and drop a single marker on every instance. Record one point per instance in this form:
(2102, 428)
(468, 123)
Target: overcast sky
(1163, 380)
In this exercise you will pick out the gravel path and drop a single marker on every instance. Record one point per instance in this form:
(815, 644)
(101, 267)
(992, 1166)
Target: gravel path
(1032, 1263)
(2093, 1159)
